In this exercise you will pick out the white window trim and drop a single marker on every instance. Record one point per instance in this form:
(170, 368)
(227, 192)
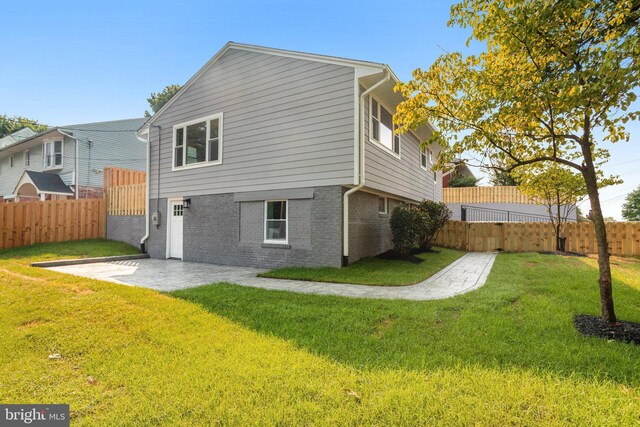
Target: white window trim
(376, 142)
(44, 154)
(26, 158)
(184, 149)
(386, 205)
(272, 241)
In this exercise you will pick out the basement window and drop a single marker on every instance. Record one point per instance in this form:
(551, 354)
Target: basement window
(276, 224)
(383, 205)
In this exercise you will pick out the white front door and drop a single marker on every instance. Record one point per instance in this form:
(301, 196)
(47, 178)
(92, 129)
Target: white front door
(176, 211)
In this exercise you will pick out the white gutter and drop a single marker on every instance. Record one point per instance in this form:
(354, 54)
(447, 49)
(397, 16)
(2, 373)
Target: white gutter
(146, 223)
(361, 175)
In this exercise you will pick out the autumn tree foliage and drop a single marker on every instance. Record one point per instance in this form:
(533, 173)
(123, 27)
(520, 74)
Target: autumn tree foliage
(555, 82)
(556, 187)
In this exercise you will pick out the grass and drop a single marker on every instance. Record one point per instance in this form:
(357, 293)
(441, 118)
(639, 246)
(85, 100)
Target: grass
(374, 271)
(88, 248)
(505, 354)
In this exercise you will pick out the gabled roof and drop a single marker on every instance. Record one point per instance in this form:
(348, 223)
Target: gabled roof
(49, 183)
(271, 51)
(98, 132)
(17, 136)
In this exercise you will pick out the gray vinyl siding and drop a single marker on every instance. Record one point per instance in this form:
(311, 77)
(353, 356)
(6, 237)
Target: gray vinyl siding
(113, 144)
(9, 177)
(402, 177)
(288, 123)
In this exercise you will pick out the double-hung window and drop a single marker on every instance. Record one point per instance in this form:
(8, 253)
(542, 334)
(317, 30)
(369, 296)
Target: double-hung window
(198, 142)
(52, 153)
(382, 127)
(275, 221)
(423, 158)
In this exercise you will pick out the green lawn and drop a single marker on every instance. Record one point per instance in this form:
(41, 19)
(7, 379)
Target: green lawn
(374, 271)
(506, 354)
(68, 250)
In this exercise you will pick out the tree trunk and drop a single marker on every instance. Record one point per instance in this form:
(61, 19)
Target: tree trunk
(604, 267)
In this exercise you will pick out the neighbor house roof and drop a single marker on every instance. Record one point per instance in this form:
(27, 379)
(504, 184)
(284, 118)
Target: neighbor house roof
(16, 136)
(102, 132)
(44, 183)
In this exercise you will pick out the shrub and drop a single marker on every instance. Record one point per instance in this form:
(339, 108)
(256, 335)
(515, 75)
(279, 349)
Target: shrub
(463, 181)
(403, 224)
(430, 217)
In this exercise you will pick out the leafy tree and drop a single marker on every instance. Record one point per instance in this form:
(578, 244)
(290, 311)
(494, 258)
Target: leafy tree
(631, 208)
(403, 223)
(463, 181)
(502, 176)
(431, 217)
(551, 75)
(9, 125)
(558, 189)
(157, 100)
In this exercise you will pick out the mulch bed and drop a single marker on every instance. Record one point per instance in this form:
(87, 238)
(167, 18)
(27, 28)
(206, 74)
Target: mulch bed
(413, 259)
(593, 326)
(563, 253)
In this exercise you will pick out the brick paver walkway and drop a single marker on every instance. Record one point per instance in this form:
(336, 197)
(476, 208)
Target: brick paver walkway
(467, 273)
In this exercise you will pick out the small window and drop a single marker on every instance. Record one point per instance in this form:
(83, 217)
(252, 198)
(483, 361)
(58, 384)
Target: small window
(382, 127)
(275, 227)
(27, 158)
(435, 176)
(383, 205)
(423, 158)
(12, 161)
(198, 143)
(430, 156)
(178, 210)
(52, 152)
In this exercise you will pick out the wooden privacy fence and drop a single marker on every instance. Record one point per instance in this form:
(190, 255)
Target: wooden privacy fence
(114, 177)
(485, 195)
(126, 199)
(624, 237)
(27, 223)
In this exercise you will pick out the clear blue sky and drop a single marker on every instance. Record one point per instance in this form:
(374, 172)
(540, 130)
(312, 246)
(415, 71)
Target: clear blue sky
(70, 62)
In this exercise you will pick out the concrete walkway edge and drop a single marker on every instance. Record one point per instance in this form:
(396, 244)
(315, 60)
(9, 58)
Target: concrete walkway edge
(467, 273)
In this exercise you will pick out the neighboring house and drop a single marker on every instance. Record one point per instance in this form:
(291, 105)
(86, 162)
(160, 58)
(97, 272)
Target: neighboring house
(67, 161)
(458, 168)
(269, 158)
(499, 204)
(16, 137)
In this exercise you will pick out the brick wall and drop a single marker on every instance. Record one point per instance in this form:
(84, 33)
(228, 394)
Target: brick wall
(221, 231)
(126, 228)
(369, 231)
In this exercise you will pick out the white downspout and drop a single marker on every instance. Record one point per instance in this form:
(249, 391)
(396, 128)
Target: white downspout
(361, 175)
(75, 172)
(146, 223)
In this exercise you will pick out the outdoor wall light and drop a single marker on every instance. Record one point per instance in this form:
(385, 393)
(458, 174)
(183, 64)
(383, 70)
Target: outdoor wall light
(186, 203)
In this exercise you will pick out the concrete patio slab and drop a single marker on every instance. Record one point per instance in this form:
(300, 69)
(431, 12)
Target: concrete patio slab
(467, 273)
